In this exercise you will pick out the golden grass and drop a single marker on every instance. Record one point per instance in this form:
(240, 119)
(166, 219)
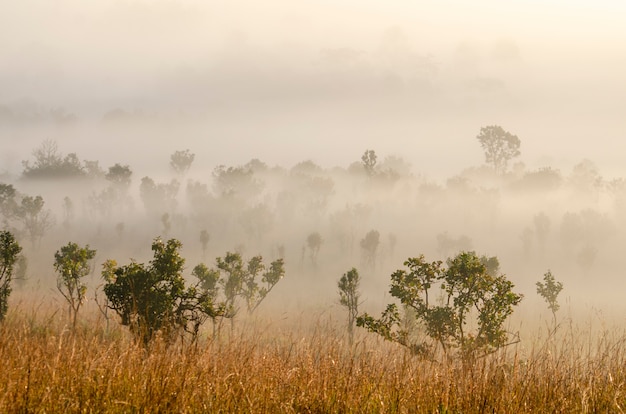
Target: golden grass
(300, 367)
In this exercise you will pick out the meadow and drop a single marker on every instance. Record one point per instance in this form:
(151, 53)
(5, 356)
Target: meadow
(298, 362)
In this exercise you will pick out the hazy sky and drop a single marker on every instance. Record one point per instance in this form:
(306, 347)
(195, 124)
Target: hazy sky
(331, 78)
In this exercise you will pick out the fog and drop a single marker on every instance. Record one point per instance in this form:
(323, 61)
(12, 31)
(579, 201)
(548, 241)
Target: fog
(131, 82)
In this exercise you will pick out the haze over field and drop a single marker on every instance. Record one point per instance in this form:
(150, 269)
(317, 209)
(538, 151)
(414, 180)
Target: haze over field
(284, 81)
(131, 82)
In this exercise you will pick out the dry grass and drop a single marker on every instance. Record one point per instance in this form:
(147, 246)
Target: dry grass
(294, 369)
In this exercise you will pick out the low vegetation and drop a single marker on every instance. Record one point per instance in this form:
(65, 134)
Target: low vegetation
(296, 366)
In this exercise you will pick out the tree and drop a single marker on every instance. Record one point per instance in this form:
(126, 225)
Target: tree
(50, 163)
(72, 265)
(120, 176)
(181, 161)
(209, 286)
(34, 218)
(369, 244)
(9, 254)
(314, 242)
(549, 291)
(500, 147)
(205, 237)
(242, 280)
(68, 212)
(154, 298)
(349, 297)
(8, 204)
(235, 181)
(368, 159)
(158, 197)
(256, 221)
(470, 290)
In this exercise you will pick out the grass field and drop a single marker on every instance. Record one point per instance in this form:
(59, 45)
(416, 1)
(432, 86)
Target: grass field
(297, 364)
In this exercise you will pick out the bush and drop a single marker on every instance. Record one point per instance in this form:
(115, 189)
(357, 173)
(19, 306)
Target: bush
(9, 252)
(153, 298)
(469, 290)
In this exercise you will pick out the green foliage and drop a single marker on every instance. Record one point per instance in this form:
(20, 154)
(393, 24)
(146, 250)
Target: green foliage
(499, 145)
(549, 291)
(349, 297)
(152, 298)
(470, 291)
(239, 280)
(9, 255)
(72, 265)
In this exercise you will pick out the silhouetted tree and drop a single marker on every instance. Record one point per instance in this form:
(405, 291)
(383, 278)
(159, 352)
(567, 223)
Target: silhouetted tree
(120, 176)
(314, 242)
(181, 161)
(50, 163)
(500, 147)
(8, 202)
(35, 220)
(370, 244)
(204, 241)
(368, 160)
(527, 241)
(160, 197)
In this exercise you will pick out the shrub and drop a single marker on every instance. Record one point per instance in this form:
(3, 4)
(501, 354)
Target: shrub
(153, 298)
(9, 252)
(469, 291)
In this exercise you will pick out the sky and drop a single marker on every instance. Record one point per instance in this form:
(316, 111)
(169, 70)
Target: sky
(290, 80)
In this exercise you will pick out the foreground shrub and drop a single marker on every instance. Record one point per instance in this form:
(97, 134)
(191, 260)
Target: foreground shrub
(469, 291)
(9, 252)
(152, 298)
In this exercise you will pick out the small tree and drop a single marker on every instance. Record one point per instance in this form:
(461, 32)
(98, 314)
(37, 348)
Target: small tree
(120, 176)
(181, 161)
(72, 265)
(205, 237)
(314, 242)
(50, 163)
(369, 244)
(549, 291)
(500, 147)
(153, 298)
(368, 160)
(349, 297)
(8, 204)
(209, 285)
(469, 290)
(35, 219)
(9, 254)
(242, 280)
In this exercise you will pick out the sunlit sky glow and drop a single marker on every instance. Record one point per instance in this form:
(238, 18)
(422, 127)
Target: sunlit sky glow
(376, 74)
